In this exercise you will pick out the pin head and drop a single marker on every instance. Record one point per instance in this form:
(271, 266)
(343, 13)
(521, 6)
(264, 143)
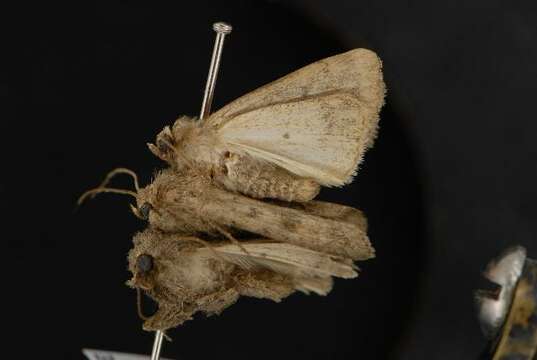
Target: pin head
(222, 27)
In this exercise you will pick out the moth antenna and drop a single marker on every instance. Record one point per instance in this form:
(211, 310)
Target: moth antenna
(98, 190)
(102, 187)
(139, 305)
(231, 238)
(118, 171)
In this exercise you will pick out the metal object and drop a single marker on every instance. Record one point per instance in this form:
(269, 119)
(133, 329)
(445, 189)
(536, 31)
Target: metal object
(221, 29)
(157, 345)
(494, 303)
(508, 314)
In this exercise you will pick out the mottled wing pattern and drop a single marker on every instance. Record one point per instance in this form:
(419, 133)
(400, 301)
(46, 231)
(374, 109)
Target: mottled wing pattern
(310, 270)
(315, 122)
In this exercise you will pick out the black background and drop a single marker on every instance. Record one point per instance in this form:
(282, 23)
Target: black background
(450, 183)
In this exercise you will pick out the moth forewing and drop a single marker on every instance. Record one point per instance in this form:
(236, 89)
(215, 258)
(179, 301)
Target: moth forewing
(358, 71)
(288, 259)
(188, 277)
(188, 202)
(321, 137)
(330, 235)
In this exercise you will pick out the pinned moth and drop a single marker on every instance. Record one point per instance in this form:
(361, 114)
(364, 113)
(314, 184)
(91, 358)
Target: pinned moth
(233, 214)
(188, 203)
(287, 138)
(184, 276)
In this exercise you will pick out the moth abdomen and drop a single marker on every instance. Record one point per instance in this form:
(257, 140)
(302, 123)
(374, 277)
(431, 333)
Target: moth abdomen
(260, 180)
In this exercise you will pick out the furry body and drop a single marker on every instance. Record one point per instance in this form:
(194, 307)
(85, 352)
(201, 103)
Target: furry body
(189, 278)
(188, 203)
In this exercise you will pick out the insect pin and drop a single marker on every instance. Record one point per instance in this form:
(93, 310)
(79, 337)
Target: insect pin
(221, 29)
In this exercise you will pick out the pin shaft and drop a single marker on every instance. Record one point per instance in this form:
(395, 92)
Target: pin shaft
(221, 29)
(157, 345)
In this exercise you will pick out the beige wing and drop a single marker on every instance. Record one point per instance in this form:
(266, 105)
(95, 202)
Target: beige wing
(310, 270)
(315, 122)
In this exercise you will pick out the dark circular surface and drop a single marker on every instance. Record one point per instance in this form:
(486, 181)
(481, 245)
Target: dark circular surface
(449, 184)
(91, 87)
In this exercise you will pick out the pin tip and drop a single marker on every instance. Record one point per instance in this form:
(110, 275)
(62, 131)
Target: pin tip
(222, 27)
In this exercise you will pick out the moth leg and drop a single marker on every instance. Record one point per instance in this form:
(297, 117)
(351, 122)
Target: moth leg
(167, 316)
(265, 285)
(216, 302)
(163, 146)
(259, 179)
(230, 237)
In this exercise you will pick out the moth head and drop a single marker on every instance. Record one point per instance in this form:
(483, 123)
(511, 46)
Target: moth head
(164, 145)
(149, 259)
(144, 265)
(148, 203)
(164, 206)
(175, 271)
(145, 261)
(143, 211)
(168, 142)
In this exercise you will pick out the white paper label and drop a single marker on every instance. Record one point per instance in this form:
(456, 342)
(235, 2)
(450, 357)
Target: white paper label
(93, 354)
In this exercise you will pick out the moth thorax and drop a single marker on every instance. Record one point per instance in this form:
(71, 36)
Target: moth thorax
(191, 271)
(200, 146)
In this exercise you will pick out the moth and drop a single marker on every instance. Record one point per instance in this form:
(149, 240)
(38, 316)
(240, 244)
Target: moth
(233, 214)
(286, 139)
(185, 276)
(187, 202)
